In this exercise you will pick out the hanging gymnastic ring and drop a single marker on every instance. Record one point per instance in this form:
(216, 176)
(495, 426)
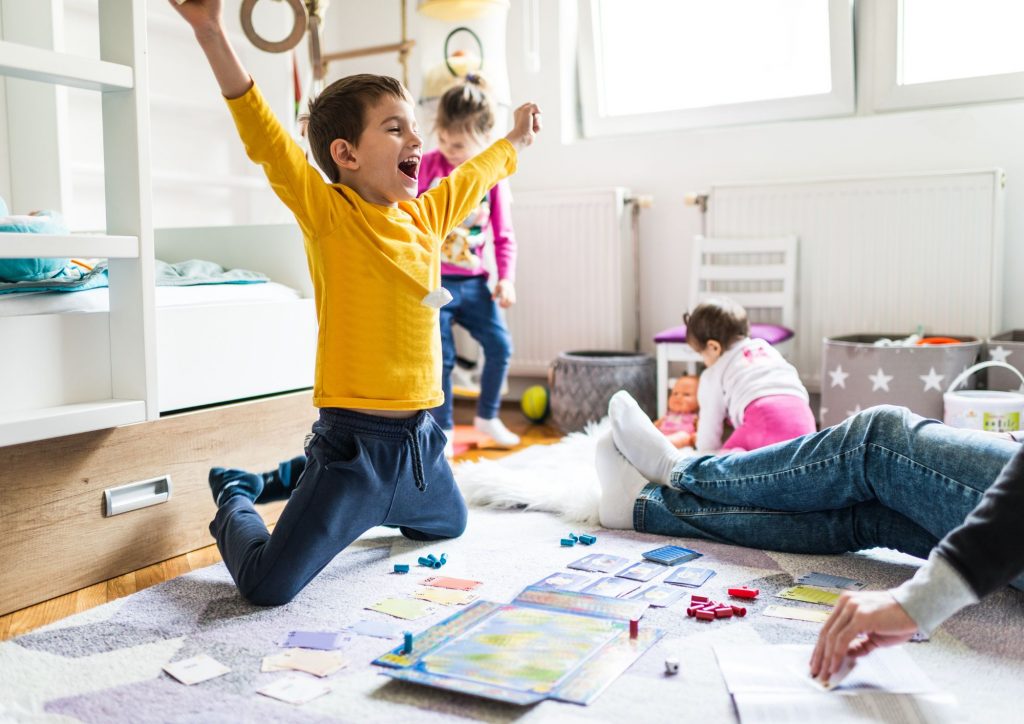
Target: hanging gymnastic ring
(294, 37)
(479, 45)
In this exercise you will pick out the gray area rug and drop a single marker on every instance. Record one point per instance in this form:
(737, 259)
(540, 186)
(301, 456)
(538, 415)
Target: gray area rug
(105, 664)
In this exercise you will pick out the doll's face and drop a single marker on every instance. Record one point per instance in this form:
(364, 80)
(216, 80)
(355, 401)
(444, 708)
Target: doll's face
(684, 395)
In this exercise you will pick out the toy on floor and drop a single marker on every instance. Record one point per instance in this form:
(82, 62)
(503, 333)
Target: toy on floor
(680, 422)
(535, 403)
(704, 609)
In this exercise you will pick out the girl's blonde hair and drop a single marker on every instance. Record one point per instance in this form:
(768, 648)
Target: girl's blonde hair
(466, 108)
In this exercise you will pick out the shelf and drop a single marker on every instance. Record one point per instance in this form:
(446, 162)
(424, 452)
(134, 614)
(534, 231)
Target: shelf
(47, 66)
(82, 246)
(30, 425)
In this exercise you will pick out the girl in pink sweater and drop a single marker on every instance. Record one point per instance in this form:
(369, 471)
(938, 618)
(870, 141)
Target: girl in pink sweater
(465, 119)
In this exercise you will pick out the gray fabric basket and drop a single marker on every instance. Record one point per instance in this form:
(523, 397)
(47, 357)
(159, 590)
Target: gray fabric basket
(582, 383)
(855, 374)
(1007, 347)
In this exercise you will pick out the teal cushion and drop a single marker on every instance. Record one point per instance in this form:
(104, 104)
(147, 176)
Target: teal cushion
(19, 270)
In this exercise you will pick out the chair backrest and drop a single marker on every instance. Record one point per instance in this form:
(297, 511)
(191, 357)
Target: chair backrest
(760, 274)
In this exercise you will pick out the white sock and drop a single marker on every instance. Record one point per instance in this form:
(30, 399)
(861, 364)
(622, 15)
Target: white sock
(621, 483)
(496, 430)
(640, 441)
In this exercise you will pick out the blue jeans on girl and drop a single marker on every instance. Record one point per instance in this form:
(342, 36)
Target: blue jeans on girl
(472, 308)
(883, 478)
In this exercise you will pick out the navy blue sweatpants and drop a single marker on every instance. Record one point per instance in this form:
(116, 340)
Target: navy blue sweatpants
(362, 471)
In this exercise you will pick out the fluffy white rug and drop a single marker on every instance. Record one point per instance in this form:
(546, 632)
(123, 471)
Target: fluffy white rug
(558, 478)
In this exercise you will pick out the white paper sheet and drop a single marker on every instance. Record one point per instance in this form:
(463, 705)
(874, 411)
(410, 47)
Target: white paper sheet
(862, 708)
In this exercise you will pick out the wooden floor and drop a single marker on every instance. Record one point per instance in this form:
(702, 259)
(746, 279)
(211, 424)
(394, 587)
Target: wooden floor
(28, 619)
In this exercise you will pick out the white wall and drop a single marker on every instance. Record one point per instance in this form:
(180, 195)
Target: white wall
(667, 165)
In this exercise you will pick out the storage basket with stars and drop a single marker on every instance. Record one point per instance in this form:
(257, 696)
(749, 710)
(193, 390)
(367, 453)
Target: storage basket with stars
(858, 374)
(1007, 347)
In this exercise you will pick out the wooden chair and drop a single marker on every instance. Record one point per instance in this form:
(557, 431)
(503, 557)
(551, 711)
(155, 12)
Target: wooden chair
(760, 274)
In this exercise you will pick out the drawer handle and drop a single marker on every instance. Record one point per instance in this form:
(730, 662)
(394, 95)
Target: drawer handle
(141, 494)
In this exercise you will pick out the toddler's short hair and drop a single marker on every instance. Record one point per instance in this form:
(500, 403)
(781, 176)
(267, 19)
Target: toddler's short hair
(340, 112)
(722, 320)
(466, 108)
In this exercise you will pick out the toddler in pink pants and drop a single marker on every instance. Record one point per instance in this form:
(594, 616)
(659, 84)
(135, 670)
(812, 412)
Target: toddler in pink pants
(746, 380)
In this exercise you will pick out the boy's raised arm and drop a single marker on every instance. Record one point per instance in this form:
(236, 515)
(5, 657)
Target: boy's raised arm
(205, 18)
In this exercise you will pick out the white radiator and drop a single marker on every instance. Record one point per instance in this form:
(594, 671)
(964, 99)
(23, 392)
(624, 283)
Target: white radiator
(575, 278)
(880, 255)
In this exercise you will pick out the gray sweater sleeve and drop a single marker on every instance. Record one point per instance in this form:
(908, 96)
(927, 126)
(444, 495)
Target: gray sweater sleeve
(934, 594)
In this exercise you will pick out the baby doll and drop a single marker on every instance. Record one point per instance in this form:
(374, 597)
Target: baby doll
(680, 422)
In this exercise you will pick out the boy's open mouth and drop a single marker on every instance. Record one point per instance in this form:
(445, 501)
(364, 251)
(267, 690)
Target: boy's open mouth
(410, 167)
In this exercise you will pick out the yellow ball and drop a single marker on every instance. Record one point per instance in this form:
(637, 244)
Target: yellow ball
(535, 403)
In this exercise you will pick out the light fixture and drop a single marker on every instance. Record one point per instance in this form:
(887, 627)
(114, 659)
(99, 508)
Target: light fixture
(458, 10)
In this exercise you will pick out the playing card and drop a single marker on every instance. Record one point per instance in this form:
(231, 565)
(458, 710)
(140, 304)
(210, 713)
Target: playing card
(406, 608)
(797, 614)
(198, 668)
(611, 587)
(659, 596)
(318, 663)
(809, 594)
(691, 577)
(294, 690)
(445, 597)
(325, 640)
(459, 584)
(828, 581)
(564, 581)
(599, 562)
(643, 571)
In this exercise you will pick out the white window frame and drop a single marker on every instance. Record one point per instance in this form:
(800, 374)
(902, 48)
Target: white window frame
(841, 100)
(889, 95)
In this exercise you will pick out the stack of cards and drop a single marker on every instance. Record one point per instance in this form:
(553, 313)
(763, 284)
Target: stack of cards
(690, 577)
(643, 571)
(323, 640)
(611, 587)
(659, 596)
(599, 563)
(445, 597)
(564, 582)
(405, 608)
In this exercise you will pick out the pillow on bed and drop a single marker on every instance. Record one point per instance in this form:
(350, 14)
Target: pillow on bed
(21, 270)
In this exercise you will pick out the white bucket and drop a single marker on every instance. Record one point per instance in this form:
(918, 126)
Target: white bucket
(988, 410)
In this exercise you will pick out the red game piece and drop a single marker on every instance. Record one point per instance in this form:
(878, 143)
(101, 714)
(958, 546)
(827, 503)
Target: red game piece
(634, 628)
(705, 615)
(723, 612)
(690, 611)
(739, 610)
(698, 599)
(744, 592)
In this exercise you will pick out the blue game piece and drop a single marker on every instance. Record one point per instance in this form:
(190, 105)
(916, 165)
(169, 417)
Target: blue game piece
(444, 558)
(588, 539)
(573, 536)
(432, 557)
(407, 646)
(401, 568)
(568, 542)
(425, 562)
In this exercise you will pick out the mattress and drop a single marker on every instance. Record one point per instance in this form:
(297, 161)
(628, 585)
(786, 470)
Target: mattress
(96, 300)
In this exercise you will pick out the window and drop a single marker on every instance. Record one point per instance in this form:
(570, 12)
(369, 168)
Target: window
(650, 65)
(943, 52)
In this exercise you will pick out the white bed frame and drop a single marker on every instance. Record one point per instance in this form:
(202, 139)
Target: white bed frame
(205, 355)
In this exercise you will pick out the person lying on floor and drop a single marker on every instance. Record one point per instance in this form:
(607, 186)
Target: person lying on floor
(882, 478)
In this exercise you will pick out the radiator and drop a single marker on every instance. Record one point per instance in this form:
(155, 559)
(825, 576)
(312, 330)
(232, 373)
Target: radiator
(880, 255)
(575, 279)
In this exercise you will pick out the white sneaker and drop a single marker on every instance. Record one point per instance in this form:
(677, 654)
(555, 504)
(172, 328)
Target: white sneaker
(449, 444)
(496, 430)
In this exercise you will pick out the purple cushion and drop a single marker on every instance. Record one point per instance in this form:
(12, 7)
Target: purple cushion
(770, 333)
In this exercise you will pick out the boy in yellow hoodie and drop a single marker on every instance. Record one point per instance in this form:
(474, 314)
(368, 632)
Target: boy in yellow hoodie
(375, 457)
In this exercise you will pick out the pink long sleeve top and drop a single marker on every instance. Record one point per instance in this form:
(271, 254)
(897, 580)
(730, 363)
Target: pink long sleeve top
(461, 251)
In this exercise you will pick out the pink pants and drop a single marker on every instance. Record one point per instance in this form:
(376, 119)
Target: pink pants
(772, 419)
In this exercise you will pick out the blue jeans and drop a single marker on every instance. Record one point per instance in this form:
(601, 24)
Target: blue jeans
(473, 309)
(361, 471)
(883, 478)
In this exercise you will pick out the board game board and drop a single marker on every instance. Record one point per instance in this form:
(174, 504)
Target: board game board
(561, 645)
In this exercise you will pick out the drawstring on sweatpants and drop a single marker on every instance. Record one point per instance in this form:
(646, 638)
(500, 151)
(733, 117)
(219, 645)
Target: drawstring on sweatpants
(417, 460)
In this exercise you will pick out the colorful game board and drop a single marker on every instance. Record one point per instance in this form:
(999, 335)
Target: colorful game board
(561, 645)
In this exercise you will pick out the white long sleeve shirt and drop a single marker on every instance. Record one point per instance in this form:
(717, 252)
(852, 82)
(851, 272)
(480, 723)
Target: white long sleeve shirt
(745, 372)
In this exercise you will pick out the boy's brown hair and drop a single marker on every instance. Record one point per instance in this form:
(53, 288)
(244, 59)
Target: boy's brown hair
(340, 112)
(466, 108)
(722, 320)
